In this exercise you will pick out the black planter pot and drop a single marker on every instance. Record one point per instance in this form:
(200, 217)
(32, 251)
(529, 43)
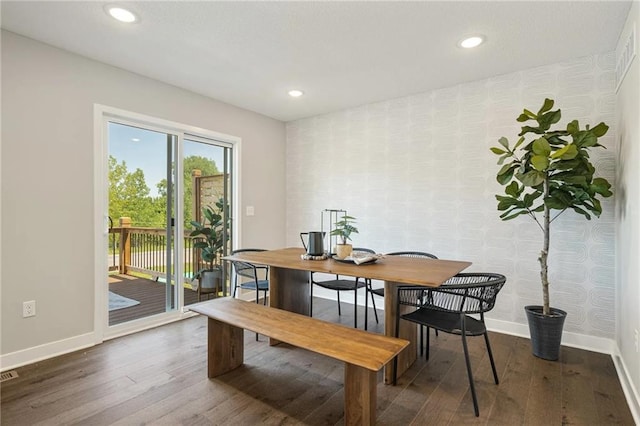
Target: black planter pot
(546, 331)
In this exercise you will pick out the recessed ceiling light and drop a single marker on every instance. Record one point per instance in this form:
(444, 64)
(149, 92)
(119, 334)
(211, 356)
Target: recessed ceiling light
(121, 14)
(296, 93)
(135, 139)
(471, 42)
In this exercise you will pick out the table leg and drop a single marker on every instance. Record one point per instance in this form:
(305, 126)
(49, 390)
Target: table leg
(408, 331)
(359, 395)
(225, 347)
(289, 290)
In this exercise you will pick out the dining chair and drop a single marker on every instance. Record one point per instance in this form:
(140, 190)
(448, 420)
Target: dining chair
(251, 271)
(341, 284)
(380, 291)
(449, 308)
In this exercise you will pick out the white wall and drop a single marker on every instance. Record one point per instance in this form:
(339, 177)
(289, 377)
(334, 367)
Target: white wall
(418, 174)
(627, 210)
(47, 179)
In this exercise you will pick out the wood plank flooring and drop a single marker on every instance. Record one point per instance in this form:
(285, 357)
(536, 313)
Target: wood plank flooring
(159, 377)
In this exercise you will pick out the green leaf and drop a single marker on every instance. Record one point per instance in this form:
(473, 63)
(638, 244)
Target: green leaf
(600, 130)
(504, 142)
(548, 104)
(573, 127)
(531, 178)
(581, 211)
(513, 216)
(522, 117)
(541, 147)
(504, 178)
(555, 203)
(518, 143)
(529, 129)
(568, 152)
(601, 186)
(513, 189)
(540, 162)
(498, 151)
(585, 138)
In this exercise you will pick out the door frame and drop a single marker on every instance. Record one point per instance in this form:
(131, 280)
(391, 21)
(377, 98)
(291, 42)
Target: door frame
(101, 113)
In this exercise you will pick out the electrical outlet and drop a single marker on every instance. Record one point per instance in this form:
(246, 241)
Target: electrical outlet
(635, 338)
(29, 309)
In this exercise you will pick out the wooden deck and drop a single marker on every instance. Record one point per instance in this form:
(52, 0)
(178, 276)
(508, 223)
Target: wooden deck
(150, 294)
(159, 377)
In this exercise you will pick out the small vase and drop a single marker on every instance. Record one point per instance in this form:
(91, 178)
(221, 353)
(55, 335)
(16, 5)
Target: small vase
(343, 250)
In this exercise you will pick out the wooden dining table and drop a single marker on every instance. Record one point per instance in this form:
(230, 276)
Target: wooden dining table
(290, 288)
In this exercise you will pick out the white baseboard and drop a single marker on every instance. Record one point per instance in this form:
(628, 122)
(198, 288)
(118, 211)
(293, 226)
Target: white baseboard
(48, 350)
(630, 391)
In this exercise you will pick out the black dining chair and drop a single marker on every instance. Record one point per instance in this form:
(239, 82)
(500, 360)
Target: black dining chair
(251, 271)
(380, 291)
(341, 284)
(449, 308)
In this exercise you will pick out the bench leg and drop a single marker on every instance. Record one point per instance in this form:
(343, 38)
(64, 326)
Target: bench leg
(359, 395)
(226, 348)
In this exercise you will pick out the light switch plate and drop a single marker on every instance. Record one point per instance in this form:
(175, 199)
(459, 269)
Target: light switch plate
(250, 211)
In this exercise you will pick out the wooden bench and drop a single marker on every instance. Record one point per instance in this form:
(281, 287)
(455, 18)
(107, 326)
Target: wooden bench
(363, 353)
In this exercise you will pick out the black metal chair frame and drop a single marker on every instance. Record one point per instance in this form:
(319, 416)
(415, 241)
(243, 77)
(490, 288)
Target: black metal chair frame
(340, 284)
(380, 291)
(249, 270)
(448, 308)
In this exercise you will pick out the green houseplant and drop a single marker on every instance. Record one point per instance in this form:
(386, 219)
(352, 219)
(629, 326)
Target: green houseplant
(549, 172)
(343, 230)
(211, 234)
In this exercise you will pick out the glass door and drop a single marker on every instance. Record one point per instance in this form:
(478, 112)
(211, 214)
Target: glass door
(141, 208)
(207, 175)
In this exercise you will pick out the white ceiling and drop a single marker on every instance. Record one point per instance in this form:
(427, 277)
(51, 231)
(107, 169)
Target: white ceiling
(341, 54)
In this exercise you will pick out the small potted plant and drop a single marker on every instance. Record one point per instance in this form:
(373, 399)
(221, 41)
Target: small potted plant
(552, 171)
(210, 235)
(343, 230)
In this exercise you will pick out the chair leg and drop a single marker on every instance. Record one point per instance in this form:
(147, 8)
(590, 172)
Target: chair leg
(426, 348)
(493, 365)
(339, 313)
(366, 305)
(421, 339)
(373, 303)
(395, 358)
(355, 305)
(470, 374)
(310, 295)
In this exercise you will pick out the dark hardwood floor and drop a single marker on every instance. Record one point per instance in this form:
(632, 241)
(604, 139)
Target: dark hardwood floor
(159, 377)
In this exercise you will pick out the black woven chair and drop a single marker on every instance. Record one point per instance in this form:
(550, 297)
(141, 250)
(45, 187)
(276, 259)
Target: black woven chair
(341, 284)
(251, 271)
(448, 308)
(380, 291)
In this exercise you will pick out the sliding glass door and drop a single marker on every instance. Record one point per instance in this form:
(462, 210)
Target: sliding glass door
(142, 232)
(160, 180)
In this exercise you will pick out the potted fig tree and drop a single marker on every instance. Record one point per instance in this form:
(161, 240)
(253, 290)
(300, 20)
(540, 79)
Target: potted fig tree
(343, 230)
(547, 172)
(211, 234)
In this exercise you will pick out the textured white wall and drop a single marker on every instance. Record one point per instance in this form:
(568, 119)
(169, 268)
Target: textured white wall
(418, 174)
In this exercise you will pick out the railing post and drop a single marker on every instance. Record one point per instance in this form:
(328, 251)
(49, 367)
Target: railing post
(125, 244)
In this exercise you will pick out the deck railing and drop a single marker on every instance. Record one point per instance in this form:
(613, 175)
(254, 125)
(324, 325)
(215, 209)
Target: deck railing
(143, 250)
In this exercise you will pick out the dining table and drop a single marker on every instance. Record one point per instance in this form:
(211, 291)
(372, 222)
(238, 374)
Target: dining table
(290, 285)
